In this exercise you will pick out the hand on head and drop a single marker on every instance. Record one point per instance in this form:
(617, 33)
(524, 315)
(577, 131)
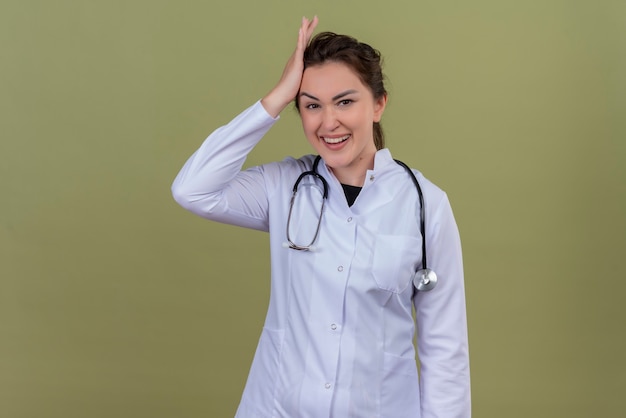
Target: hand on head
(289, 84)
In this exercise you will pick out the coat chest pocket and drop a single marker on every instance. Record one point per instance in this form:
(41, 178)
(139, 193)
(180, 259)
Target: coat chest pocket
(394, 261)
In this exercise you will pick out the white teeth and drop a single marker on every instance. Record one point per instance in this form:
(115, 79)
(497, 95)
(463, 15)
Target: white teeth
(335, 140)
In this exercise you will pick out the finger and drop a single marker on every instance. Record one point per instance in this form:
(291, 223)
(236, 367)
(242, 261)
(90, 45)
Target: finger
(311, 27)
(313, 23)
(301, 37)
(305, 32)
(302, 34)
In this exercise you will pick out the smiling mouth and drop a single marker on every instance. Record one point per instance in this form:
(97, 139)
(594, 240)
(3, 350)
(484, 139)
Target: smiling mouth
(335, 140)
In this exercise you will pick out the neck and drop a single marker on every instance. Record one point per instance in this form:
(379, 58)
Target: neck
(354, 174)
(350, 180)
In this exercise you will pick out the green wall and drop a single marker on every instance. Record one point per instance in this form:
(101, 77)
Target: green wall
(116, 302)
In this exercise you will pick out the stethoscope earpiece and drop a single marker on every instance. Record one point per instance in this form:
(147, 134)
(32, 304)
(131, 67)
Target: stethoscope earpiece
(425, 280)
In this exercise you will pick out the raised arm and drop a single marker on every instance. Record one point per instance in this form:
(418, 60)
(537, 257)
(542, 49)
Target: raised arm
(211, 183)
(289, 84)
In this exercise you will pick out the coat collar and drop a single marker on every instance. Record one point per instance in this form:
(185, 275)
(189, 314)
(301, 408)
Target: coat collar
(368, 199)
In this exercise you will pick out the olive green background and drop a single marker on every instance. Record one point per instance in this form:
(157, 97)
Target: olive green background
(115, 302)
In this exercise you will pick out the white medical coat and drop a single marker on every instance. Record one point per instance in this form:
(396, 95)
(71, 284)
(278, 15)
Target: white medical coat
(337, 339)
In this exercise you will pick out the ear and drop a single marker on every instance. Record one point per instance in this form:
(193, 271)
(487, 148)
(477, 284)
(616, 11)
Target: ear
(379, 107)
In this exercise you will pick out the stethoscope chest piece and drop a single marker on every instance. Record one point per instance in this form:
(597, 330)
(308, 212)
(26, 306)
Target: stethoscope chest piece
(424, 280)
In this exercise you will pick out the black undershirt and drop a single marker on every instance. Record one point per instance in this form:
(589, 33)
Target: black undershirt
(351, 193)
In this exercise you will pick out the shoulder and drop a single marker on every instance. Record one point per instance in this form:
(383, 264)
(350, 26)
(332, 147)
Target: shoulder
(428, 187)
(385, 159)
(290, 164)
(432, 193)
(286, 170)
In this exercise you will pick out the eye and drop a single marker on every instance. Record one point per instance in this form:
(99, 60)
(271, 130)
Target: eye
(344, 102)
(312, 106)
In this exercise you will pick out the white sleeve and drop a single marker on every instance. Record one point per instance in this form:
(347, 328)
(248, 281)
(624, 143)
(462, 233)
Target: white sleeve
(211, 183)
(442, 323)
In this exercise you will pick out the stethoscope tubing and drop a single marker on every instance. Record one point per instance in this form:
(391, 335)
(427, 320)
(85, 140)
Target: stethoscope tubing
(425, 279)
(422, 212)
(313, 172)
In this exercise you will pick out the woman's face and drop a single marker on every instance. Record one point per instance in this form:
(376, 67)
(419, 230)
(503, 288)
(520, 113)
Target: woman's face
(338, 112)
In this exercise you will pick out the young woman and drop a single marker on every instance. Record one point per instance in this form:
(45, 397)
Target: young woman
(345, 249)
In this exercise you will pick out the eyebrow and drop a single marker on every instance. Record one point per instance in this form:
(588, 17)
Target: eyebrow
(336, 97)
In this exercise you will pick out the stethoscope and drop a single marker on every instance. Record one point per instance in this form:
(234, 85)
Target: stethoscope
(424, 279)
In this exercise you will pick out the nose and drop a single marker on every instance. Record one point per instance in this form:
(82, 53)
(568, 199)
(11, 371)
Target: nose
(329, 119)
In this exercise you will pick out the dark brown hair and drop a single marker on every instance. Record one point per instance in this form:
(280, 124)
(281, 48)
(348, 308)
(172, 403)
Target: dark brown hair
(364, 60)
